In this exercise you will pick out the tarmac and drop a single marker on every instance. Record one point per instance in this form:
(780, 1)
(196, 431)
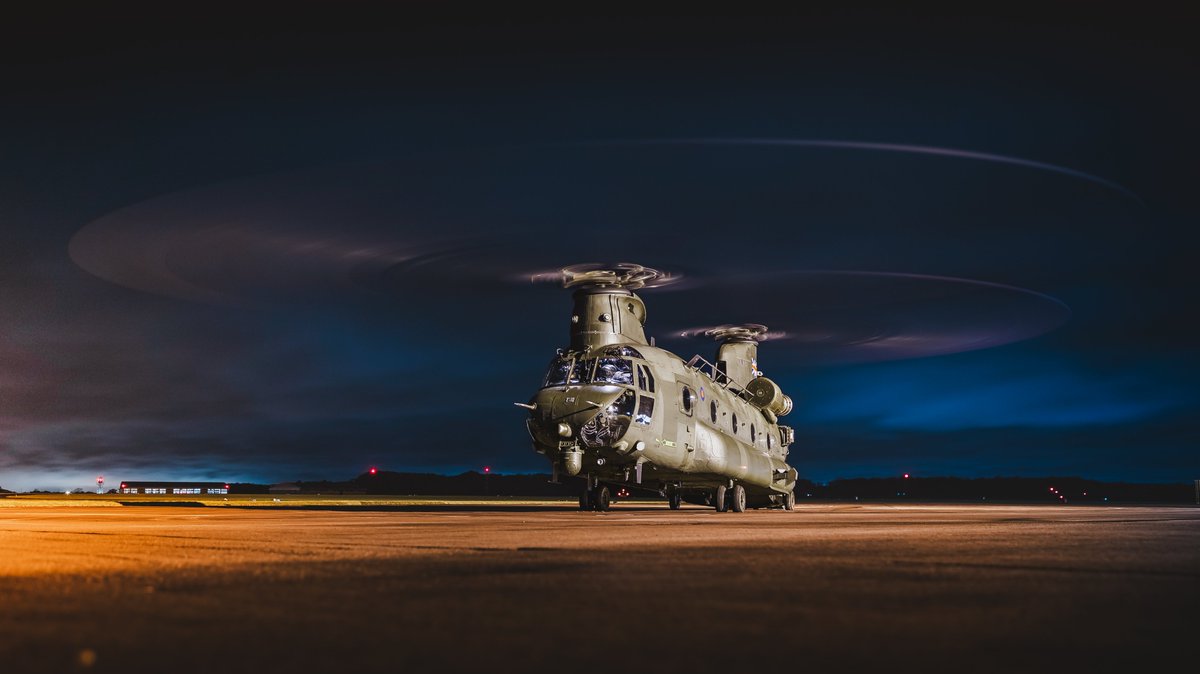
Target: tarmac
(847, 587)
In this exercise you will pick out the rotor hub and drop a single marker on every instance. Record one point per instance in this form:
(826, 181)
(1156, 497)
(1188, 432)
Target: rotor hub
(624, 275)
(744, 332)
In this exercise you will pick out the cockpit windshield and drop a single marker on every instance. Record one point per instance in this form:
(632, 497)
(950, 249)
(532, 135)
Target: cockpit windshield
(568, 371)
(560, 368)
(611, 370)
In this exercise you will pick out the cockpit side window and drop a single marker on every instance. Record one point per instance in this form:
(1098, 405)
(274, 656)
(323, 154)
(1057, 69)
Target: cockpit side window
(645, 410)
(641, 374)
(623, 405)
(649, 379)
(611, 370)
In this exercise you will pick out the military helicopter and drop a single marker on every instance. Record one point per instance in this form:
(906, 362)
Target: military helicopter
(618, 410)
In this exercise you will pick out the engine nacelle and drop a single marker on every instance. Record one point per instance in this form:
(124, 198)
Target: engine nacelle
(766, 395)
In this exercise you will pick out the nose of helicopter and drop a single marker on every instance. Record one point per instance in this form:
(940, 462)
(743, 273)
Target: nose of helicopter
(562, 412)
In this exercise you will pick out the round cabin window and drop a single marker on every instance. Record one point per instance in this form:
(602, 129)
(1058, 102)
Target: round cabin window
(712, 408)
(734, 423)
(687, 400)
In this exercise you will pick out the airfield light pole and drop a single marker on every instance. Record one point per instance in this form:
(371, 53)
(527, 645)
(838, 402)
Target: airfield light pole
(487, 470)
(99, 484)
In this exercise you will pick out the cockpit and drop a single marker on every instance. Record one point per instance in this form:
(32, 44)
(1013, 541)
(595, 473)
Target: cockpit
(611, 367)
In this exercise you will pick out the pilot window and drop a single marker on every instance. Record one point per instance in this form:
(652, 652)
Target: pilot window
(613, 371)
(645, 411)
(687, 400)
(649, 379)
(641, 377)
(580, 372)
(559, 370)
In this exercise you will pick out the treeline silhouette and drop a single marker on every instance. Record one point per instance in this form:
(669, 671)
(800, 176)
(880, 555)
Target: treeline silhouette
(990, 489)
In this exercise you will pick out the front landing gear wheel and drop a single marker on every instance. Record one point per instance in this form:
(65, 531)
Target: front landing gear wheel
(674, 501)
(738, 502)
(600, 500)
(585, 500)
(719, 498)
(789, 501)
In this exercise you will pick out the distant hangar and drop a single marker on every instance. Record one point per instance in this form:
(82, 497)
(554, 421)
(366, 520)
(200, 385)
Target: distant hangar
(183, 488)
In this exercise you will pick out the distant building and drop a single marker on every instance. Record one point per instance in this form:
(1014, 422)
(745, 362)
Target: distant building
(193, 488)
(284, 488)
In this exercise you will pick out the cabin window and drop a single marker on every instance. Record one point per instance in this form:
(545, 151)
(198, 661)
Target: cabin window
(611, 370)
(645, 411)
(733, 422)
(751, 433)
(712, 408)
(686, 400)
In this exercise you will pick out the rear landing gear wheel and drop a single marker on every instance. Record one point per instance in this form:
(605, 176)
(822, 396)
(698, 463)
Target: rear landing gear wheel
(738, 502)
(585, 500)
(789, 501)
(674, 501)
(719, 498)
(600, 499)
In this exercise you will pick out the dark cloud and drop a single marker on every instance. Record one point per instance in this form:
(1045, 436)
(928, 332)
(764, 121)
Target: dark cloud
(308, 171)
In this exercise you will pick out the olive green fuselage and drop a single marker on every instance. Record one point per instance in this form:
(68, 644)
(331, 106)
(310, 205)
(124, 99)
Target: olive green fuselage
(615, 409)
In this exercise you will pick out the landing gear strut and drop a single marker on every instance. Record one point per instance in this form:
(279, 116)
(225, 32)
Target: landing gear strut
(674, 500)
(789, 501)
(585, 499)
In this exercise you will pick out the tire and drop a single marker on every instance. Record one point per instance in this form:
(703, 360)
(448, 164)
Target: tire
(738, 500)
(789, 501)
(601, 499)
(719, 498)
(585, 500)
(674, 501)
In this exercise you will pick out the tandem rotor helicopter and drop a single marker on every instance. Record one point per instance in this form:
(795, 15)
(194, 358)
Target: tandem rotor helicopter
(617, 410)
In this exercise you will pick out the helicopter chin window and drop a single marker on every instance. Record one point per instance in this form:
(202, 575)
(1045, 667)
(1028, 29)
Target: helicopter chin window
(610, 423)
(611, 370)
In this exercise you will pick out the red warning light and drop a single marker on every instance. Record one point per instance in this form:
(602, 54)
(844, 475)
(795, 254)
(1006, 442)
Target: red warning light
(374, 470)
(226, 486)
(906, 476)
(487, 469)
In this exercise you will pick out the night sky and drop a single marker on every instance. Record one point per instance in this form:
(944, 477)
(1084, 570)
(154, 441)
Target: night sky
(292, 245)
